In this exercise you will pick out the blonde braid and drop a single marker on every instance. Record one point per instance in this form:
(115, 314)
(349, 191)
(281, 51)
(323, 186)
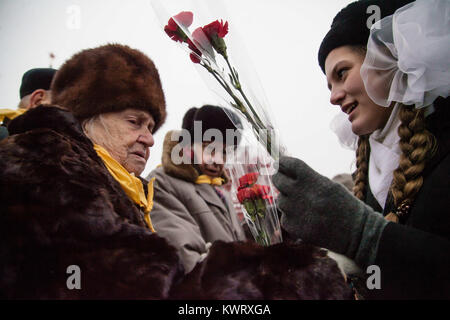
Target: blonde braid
(416, 144)
(362, 167)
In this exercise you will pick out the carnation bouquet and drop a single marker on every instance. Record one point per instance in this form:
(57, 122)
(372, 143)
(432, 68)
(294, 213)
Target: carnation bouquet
(210, 50)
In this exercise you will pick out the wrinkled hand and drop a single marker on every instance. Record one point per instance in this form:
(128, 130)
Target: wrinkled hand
(325, 214)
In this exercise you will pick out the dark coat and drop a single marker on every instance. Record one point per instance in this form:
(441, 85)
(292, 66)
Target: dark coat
(59, 207)
(287, 271)
(414, 256)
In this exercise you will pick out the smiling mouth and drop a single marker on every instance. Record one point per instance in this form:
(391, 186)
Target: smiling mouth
(352, 107)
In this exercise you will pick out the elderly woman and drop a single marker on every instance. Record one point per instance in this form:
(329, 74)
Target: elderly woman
(403, 154)
(70, 192)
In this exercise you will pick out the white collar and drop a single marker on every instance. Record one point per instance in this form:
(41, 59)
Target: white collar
(384, 156)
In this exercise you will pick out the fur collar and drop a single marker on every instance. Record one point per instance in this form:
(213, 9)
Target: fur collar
(48, 117)
(181, 171)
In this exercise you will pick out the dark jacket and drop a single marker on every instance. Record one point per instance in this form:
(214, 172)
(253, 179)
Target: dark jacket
(60, 207)
(414, 255)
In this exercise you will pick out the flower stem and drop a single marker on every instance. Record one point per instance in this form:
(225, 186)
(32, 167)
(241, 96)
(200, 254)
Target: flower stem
(238, 86)
(256, 125)
(227, 88)
(262, 234)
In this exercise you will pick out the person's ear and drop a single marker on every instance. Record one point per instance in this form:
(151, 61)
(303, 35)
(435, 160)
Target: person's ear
(37, 97)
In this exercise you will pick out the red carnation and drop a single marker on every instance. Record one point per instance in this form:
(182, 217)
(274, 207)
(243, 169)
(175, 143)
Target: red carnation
(174, 31)
(184, 18)
(215, 31)
(241, 195)
(260, 190)
(246, 194)
(196, 54)
(172, 34)
(195, 58)
(216, 28)
(248, 179)
(269, 198)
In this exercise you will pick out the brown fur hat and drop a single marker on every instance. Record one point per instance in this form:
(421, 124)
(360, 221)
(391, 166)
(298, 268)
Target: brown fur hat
(109, 78)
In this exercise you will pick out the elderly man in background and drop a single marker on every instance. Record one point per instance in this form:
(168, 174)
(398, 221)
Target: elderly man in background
(35, 88)
(34, 91)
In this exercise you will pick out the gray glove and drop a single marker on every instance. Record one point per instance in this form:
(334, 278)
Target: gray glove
(325, 214)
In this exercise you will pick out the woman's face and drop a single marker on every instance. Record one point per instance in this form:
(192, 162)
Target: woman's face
(127, 136)
(342, 68)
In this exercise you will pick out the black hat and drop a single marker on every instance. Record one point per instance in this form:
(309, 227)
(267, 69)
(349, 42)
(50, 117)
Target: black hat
(212, 117)
(188, 118)
(349, 26)
(38, 78)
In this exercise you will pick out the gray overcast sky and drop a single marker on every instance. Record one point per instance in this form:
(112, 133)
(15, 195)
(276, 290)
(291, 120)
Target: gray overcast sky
(281, 39)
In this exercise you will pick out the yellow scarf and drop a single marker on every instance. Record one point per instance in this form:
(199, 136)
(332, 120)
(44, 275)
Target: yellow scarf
(209, 180)
(130, 184)
(11, 114)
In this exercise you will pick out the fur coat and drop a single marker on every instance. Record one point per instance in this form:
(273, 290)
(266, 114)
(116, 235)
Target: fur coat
(60, 207)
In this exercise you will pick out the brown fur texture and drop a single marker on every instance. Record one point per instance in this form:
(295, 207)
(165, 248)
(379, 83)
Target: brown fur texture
(238, 270)
(109, 78)
(184, 171)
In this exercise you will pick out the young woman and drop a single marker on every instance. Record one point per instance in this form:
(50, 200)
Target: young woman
(398, 138)
(392, 85)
